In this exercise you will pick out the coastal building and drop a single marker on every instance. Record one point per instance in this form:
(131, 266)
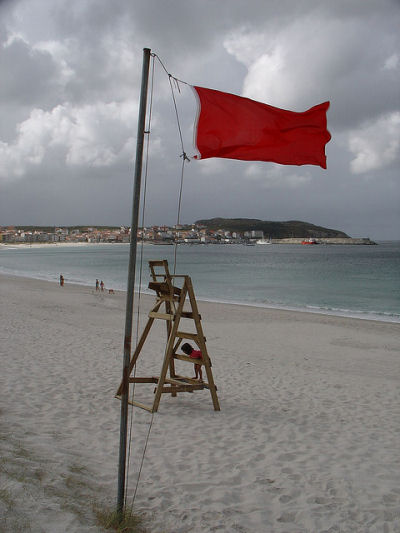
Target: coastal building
(190, 234)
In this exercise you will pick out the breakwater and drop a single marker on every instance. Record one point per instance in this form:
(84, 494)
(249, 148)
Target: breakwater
(325, 240)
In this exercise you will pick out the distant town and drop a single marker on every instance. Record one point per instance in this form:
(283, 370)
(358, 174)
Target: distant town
(179, 234)
(190, 234)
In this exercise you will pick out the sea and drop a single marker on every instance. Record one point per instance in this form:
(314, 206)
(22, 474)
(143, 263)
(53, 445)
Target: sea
(358, 281)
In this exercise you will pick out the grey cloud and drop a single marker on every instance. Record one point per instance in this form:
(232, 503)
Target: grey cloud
(69, 94)
(28, 77)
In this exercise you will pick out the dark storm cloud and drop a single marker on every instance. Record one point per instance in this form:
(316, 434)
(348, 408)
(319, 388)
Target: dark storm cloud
(19, 62)
(70, 76)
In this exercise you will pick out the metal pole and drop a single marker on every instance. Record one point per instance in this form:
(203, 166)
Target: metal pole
(131, 281)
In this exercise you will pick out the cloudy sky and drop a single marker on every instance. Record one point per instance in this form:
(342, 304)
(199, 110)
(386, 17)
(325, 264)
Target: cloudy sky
(69, 89)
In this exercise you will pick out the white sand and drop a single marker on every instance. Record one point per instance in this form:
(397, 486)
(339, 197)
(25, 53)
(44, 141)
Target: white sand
(307, 439)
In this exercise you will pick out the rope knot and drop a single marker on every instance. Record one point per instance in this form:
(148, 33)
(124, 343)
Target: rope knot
(185, 157)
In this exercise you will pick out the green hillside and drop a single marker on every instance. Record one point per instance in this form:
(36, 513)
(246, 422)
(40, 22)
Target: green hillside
(272, 230)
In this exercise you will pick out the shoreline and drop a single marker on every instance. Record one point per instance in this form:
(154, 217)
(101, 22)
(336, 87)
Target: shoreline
(306, 439)
(340, 313)
(57, 244)
(325, 241)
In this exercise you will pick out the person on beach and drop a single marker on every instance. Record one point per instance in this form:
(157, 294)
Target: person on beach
(101, 285)
(61, 280)
(97, 285)
(194, 354)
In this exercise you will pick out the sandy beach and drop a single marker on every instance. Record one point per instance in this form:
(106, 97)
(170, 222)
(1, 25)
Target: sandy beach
(307, 439)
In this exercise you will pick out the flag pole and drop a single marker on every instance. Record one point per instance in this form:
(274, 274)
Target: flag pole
(131, 282)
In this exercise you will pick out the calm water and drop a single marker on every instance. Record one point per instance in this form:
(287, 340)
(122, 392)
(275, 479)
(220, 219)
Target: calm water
(361, 281)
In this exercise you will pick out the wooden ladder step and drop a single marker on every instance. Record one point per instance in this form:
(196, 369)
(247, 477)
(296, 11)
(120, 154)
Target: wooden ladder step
(162, 316)
(189, 314)
(182, 388)
(173, 381)
(189, 359)
(192, 336)
(194, 381)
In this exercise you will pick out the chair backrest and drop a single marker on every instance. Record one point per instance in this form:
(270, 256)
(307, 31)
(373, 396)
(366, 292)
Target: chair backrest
(163, 264)
(162, 280)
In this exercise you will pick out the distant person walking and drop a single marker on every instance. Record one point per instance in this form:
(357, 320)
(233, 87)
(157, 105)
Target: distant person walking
(101, 285)
(61, 280)
(97, 285)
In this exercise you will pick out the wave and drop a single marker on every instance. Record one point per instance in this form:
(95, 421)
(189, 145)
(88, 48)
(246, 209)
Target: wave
(332, 311)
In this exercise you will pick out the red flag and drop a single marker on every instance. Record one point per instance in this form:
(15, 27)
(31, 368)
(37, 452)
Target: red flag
(239, 128)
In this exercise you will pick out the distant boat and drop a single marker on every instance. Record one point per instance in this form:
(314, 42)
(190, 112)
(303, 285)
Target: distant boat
(309, 241)
(263, 241)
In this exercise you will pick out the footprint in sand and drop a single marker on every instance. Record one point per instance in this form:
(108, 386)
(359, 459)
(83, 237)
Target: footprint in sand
(287, 517)
(285, 498)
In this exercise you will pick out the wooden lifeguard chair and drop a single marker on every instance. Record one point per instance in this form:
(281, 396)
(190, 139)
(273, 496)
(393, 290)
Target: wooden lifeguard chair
(170, 307)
